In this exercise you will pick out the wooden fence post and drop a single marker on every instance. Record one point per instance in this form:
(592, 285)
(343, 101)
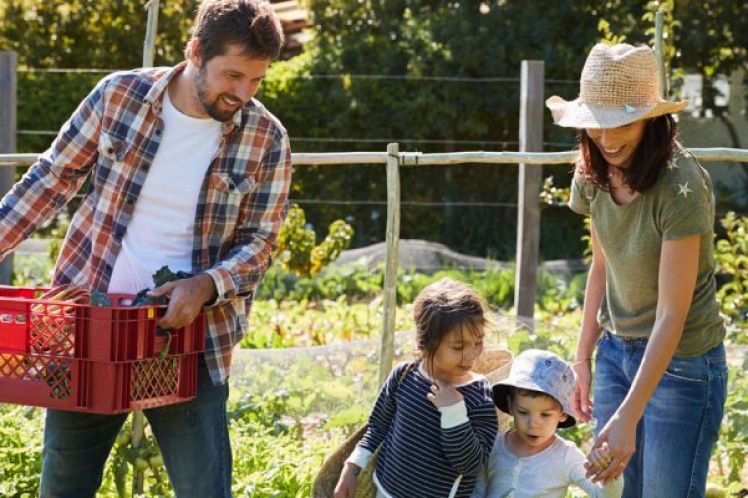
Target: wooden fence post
(530, 178)
(659, 52)
(8, 123)
(390, 271)
(138, 419)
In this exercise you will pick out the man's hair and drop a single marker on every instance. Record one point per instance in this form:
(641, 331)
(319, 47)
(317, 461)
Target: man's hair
(251, 24)
(650, 157)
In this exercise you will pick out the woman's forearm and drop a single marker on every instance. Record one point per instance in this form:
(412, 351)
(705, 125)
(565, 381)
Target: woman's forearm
(660, 350)
(593, 296)
(676, 282)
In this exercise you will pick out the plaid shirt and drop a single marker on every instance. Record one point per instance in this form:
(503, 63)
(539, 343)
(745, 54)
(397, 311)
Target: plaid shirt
(113, 137)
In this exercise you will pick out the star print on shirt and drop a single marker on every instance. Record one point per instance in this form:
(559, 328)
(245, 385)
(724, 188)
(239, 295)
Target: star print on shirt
(683, 189)
(671, 165)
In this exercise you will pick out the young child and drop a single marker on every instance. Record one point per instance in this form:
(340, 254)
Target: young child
(531, 460)
(434, 419)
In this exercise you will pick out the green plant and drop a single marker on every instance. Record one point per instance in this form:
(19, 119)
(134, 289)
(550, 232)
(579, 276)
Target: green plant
(31, 270)
(126, 458)
(733, 442)
(731, 254)
(297, 251)
(20, 450)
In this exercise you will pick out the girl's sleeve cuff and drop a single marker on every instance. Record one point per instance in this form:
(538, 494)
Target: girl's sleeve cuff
(359, 456)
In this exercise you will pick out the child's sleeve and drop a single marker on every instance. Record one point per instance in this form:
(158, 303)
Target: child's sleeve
(379, 420)
(469, 431)
(575, 466)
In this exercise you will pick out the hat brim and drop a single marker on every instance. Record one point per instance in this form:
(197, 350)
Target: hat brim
(577, 114)
(501, 399)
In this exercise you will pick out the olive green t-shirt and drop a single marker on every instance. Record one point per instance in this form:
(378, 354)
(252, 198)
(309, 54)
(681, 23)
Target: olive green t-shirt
(678, 205)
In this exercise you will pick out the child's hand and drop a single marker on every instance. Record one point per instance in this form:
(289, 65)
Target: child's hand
(444, 395)
(598, 459)
(348, 481)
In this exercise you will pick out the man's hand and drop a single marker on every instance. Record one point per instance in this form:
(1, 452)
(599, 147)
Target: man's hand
(442, 395)
(186, 299)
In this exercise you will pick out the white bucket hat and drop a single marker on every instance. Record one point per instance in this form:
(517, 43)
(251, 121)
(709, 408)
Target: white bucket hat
(541, 371)
(619, 85)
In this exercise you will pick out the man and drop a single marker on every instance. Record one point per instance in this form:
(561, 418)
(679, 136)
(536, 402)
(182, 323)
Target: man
(186, 170)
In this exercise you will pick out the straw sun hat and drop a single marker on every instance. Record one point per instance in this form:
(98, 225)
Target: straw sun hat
(619, 85)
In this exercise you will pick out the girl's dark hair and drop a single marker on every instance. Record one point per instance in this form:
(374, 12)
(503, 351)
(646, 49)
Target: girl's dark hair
(442, 307)
(649, 160)
(251, 24)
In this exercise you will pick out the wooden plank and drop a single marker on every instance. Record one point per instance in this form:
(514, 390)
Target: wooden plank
(285, 5)
(704, 154)
(149, 43)
(8, 125)
(387, 351)
(138, 418)
(662, 83)
(530, 179)
(479, 157)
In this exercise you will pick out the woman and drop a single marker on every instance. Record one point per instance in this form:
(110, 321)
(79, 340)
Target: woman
(650, 305)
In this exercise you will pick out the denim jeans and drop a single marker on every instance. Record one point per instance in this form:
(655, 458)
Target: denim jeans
(675, 437)
(193, 438)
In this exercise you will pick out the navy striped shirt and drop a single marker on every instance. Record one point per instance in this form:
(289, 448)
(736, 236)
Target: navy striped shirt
(420, 458)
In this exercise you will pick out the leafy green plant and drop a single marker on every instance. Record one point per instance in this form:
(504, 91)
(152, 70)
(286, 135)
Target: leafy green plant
(297, 251)
(125, 459)
(731, 254)
(20, 450)
(31, 270)
(732, 446)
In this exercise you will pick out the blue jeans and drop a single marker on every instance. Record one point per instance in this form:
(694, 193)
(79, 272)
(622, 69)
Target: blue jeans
(675, 437)
(193, 437)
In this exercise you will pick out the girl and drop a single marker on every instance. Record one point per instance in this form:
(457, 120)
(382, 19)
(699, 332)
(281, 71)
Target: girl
(434, 419)
(650, 305)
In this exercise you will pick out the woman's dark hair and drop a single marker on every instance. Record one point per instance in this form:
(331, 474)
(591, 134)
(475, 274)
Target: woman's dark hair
(251, 24)
(650, 158)
(445, 306)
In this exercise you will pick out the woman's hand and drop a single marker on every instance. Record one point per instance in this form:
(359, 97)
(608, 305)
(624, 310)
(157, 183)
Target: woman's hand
(619, 434)
(580, 398)
(346, 487)
(442, 395)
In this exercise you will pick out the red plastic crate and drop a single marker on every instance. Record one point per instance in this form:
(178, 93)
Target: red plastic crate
(117, 333)
(95, 386)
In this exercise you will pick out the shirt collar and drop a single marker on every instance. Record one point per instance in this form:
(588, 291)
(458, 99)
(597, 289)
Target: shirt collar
(155, 97)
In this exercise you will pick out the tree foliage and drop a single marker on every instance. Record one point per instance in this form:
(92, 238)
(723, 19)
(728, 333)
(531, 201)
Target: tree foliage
(434, 56)
(103, 34)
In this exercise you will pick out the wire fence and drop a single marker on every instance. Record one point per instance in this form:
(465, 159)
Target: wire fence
(431, 141)
(352, 76)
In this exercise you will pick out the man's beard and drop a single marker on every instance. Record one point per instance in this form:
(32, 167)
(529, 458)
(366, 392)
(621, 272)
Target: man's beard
(211, 107)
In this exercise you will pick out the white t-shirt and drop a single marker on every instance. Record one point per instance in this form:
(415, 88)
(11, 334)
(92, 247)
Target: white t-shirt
(547, 474)
(161, 231)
